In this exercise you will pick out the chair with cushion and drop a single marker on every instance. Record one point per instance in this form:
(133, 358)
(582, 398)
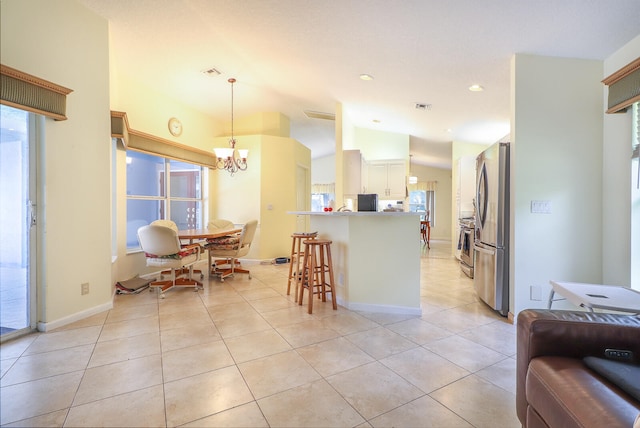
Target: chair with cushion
(166, 223)
(217, 225)
(171, 224)
(220, 224)
(229, 249)
(162, 249)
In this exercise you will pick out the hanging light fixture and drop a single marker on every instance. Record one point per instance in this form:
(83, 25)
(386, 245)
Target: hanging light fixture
(229, 158)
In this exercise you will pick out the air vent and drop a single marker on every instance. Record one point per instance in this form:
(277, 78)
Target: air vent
(211, 72)
(422, 106)
(319, 115)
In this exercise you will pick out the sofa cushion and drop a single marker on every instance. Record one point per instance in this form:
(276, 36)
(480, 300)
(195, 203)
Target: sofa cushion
(625, 376)
(565, 393)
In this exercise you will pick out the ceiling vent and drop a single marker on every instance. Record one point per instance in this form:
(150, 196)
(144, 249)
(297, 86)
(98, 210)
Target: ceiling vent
(319, 115)
(211, 72)
(422, 106)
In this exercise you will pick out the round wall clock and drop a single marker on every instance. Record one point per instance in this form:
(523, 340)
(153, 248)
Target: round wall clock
(175, 127)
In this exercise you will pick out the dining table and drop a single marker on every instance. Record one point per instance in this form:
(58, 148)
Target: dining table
(201, 234)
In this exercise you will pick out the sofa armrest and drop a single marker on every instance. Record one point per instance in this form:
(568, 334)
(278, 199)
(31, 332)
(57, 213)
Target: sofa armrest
(570, 334)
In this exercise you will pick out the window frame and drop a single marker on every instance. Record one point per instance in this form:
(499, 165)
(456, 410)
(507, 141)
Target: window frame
(164, 197)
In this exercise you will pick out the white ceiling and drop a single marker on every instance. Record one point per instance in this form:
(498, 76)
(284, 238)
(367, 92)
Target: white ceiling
(295, 55)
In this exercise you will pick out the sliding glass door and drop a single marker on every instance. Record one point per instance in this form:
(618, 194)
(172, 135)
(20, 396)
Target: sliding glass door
(17, 221)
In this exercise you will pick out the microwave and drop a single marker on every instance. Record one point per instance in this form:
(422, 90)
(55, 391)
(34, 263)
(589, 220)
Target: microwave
(368, 202)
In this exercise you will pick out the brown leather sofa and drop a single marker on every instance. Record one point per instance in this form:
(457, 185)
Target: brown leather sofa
(554, 387)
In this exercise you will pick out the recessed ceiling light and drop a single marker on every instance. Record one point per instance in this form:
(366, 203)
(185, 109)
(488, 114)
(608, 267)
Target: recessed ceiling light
(376, 121)
(366, 77)
(476, 88)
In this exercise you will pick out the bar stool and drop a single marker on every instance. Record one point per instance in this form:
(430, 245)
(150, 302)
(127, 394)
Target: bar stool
(317, 275)
(297, 256)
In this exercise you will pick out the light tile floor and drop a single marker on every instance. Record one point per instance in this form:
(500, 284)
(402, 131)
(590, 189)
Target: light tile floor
(242, 353)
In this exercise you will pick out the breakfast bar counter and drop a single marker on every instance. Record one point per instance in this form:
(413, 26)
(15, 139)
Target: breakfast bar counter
(376, 258)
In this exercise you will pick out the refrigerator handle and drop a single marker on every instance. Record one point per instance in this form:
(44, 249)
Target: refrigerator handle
(483, 250)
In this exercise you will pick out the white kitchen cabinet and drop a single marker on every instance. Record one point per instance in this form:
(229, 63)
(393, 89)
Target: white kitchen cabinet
(354, 165)
(387, 179)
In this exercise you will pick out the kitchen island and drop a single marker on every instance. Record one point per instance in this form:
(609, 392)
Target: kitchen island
(376, 258)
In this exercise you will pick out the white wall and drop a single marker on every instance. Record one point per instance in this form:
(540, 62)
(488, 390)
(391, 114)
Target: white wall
(441, 229)
(616, 182)
(323, 170)
(65, 43)
(381, 145)
(556, 130)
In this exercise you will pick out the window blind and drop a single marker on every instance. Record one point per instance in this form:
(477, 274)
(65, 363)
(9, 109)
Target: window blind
(427, 186)
(323, 188)
(30, 93)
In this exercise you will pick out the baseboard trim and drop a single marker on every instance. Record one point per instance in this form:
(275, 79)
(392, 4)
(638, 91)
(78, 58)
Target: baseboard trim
(386, 309)
(47, 326)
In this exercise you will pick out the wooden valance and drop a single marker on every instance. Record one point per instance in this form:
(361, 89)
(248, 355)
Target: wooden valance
(153, 145)
(30, 93)
(624, 87)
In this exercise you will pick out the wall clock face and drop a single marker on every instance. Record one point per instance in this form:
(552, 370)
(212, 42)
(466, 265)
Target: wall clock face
(175, 127)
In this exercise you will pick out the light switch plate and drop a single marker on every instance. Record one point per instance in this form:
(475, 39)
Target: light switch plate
(541, 207)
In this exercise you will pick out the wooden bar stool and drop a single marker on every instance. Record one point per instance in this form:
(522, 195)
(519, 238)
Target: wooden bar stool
(297, 258)
(317, 275)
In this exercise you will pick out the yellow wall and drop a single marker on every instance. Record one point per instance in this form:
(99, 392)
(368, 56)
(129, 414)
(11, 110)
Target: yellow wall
(149, 111)
(280, 159)
(65, 43)
(266, 191)
(263, 123)
(74, 207)
(199, 129)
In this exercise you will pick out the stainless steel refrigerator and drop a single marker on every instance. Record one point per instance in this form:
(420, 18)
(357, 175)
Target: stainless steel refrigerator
(491, 264)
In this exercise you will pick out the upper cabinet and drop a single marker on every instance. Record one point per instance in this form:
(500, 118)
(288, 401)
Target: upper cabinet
(387, 179)
(354, 173)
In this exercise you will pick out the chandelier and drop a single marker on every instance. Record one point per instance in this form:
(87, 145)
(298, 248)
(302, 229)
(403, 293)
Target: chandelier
(229, 158)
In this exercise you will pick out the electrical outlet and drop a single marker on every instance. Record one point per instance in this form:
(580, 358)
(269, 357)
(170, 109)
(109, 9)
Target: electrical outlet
(84, 288)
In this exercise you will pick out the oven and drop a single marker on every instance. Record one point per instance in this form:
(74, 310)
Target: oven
(467, 230)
